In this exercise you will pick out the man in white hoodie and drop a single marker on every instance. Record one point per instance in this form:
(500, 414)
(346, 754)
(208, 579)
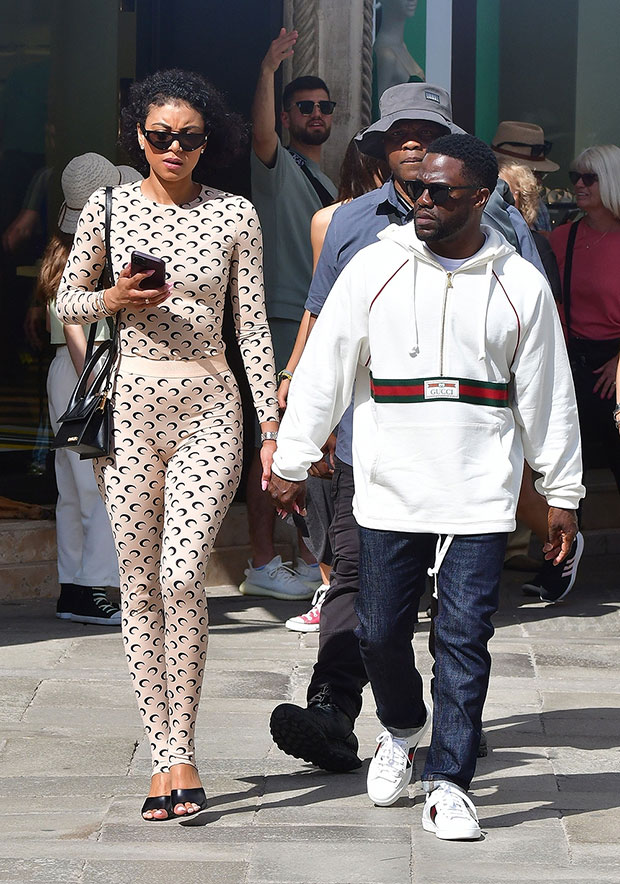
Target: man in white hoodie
(452, 343)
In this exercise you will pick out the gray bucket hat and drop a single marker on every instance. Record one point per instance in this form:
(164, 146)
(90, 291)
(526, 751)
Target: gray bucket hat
(407, 101)
(81, 177)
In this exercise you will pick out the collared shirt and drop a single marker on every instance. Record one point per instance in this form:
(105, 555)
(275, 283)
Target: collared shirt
(352, 227)
(355, 225)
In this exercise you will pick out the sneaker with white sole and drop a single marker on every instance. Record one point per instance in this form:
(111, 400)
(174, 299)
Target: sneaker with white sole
(554, 582)
(311, 620)
(310, 574)
(389, 772)
(276, 580)
(450, 814)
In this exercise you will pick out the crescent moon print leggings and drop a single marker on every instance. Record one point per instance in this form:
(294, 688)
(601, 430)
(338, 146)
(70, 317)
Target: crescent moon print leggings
(174, 470)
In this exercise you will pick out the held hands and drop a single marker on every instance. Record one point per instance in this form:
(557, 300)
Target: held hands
(287, 497)
(562, 532)
(127, 294)
(281, 48)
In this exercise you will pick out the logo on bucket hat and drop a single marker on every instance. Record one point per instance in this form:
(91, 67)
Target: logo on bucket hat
(407, 101)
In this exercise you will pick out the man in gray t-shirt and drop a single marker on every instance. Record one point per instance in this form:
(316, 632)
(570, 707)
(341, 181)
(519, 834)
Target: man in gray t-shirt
(288, 187)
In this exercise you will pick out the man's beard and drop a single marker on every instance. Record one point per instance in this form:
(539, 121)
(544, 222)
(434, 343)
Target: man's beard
(310, 136)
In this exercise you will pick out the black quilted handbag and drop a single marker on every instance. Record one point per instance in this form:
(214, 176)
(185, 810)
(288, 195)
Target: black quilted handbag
(86, 424)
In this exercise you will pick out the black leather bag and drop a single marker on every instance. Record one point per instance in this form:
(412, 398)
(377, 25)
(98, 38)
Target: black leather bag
(85, 426)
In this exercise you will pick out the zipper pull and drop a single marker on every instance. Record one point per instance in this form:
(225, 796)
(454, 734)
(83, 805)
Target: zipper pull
(449, 279)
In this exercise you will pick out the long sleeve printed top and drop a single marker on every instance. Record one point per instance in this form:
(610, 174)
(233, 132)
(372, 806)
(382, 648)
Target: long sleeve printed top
(458, 376)
(211, 245)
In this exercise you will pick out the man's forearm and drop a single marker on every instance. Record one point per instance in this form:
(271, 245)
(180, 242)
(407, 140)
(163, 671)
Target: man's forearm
(264, 137)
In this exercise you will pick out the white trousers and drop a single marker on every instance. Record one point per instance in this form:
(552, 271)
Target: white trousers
(86, 554)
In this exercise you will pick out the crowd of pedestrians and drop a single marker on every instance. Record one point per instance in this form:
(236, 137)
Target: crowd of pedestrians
(404, 338)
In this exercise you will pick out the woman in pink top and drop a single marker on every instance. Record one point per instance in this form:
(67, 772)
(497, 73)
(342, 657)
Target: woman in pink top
(591, 296)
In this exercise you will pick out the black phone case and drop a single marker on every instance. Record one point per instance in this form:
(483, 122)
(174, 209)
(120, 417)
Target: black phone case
(141, 262)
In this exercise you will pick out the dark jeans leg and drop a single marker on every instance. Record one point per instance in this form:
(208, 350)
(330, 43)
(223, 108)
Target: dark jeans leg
(393, 568)
(339, 670)
(467, 599)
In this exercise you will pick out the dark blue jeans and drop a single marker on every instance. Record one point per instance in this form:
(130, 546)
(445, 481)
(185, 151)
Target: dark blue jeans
(393, 567)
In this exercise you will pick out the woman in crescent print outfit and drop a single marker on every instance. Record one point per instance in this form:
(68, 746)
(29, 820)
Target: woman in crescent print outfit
(177, 422)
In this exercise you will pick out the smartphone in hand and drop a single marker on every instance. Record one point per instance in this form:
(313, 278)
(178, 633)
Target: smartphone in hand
(141, 262)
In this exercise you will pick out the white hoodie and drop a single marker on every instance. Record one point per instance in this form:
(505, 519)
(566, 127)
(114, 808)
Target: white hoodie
(457, 377)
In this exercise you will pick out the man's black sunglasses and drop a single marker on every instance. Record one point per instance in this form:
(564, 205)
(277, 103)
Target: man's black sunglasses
(536, 150)
(162, 139)
(588, 178)
(306, 107)
(439, 193)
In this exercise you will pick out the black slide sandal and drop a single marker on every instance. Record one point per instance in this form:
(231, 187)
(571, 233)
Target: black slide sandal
(157, 802)
(190, 796)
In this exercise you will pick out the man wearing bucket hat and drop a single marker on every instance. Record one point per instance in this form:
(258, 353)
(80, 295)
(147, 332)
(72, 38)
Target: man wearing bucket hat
(525, 143)
(412, 116)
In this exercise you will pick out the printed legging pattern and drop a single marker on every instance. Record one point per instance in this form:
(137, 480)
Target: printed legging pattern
(173, 473)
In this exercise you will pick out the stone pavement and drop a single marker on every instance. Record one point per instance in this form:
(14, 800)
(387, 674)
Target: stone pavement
(74, 765)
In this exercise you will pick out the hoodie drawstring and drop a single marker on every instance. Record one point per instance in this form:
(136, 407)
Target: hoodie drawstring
(415, 347)
(440, 553)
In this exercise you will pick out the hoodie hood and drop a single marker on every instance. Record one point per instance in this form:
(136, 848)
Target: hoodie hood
(495, 247)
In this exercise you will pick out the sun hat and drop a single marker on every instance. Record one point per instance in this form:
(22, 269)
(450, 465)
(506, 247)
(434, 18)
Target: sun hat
(81, 177)
(515, 139)
(407, 101)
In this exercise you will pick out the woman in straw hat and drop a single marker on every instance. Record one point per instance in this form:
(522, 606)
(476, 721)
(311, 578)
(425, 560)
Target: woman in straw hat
(176, 454)
(591, 297)
(86, 557)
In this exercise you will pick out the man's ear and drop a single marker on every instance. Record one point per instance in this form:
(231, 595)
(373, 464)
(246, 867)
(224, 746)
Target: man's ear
(285, 119)
(482, 197)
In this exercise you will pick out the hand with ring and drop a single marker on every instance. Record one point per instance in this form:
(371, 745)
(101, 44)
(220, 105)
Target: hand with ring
(128, 294)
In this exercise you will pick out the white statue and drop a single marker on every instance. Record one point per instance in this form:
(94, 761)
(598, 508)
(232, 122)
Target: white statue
(394, 63)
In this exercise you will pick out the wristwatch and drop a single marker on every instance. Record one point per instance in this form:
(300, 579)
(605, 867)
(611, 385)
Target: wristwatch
(617, 415)
(271, 434)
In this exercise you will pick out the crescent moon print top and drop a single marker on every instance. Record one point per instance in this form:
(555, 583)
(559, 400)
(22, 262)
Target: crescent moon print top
(210, 245)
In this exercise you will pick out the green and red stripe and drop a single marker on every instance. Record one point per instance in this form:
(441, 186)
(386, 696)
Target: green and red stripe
(412, 390)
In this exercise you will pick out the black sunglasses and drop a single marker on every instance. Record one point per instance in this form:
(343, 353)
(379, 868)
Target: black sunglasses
(162, 140)
(536, 150)
(306, 107)
(439, 193)
(588, 178)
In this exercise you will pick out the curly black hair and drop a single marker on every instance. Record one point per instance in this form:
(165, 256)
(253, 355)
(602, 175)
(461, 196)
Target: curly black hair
(479, 162)
(227, 130)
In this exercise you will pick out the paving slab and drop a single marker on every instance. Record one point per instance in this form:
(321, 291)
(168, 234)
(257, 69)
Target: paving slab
(74, 764)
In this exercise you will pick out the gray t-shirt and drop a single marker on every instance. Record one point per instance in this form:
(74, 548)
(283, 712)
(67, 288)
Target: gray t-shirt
(286, 201)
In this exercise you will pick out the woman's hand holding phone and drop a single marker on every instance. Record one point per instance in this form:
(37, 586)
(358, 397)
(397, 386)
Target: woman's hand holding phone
(127, 292)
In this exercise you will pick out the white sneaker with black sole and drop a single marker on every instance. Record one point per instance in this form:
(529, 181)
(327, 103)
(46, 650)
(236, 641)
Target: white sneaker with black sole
(450, 814)
(554, 582)
(389, 772)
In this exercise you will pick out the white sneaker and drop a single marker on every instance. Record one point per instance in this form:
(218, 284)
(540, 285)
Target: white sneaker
(310, 621)
(450, 814)
(389, 772)
(310, 574)
(275, 580)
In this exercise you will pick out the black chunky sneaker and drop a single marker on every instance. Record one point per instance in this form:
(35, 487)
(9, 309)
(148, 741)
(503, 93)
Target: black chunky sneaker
(321, 734)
